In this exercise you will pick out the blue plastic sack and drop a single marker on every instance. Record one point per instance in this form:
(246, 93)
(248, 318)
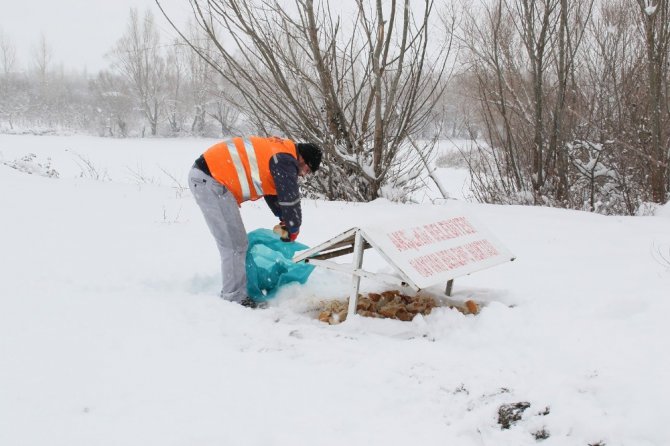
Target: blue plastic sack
(269, 264)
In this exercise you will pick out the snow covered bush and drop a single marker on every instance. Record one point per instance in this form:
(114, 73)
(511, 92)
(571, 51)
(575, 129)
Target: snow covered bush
(597, 183)
(31, 165)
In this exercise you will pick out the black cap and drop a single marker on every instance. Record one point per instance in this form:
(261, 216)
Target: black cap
(311, 154)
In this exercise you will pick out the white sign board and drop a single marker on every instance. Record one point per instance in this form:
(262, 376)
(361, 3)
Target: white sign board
(433, 250)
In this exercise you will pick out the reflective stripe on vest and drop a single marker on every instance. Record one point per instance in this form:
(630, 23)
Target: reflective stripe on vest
(253, 165)
(239, 168)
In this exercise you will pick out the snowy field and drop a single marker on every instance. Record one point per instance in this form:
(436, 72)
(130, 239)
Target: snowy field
(111, 331)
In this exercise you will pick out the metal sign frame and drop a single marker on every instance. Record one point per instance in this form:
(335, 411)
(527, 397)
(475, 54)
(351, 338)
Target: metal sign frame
(356, 240)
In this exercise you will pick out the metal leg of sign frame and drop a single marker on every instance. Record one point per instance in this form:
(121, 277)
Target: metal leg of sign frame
(351, 241)
(356, 278)
(450, 285)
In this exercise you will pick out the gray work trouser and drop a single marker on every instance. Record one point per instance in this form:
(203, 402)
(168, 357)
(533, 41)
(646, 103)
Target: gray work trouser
(222, 215)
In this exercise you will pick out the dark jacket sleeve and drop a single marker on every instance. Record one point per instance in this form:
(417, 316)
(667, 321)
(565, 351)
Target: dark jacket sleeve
(284, 170)
(273, 204)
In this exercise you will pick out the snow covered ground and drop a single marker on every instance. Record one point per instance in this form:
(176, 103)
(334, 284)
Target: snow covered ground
(111, 331)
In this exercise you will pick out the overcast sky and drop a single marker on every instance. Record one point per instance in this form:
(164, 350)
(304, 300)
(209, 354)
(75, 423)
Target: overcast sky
(80, 32)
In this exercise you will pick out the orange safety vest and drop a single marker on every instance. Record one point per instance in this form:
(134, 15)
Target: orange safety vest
(243, 165)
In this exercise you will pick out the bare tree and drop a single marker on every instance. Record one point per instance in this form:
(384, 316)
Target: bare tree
(42, 57)
(201, 75)
(7, 83)
(7, 54)
(611, 77)
(138, 58)
(176, 84)
(623, 84)
(359, 87)
(655, 22)
(223, 112)
(522, 54)
(114, 103)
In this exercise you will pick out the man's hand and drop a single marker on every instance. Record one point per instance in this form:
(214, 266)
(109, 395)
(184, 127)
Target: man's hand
(280, 230)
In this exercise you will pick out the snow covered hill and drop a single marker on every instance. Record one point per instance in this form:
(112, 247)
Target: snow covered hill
(111, 331)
